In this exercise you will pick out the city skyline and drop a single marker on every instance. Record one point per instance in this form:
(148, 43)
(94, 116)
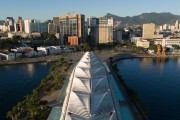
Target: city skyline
(48, 9)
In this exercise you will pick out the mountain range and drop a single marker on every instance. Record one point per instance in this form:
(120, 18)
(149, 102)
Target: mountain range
(157, 18)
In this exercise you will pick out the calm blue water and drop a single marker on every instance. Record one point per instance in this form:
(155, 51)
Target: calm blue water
(157, 82)
(17, 81)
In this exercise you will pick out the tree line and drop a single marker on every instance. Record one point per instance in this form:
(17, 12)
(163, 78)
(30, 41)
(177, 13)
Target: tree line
(33, 108)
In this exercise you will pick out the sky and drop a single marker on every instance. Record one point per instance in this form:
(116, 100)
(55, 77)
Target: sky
(47, 9)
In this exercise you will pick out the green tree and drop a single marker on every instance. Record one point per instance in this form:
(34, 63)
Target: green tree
(176, 46)
(118, 46)
(51, 37)
(62, 60)
(153, 47)
(139, 49)
(7, 44)
(86, 46)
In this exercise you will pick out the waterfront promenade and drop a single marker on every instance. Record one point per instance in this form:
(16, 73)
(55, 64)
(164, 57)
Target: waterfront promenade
(103, 55)
(49, 58)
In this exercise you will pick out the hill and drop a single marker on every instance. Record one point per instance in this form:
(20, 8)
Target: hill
(157, 18)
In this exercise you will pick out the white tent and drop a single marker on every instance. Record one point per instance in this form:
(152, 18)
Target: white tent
(88, 95)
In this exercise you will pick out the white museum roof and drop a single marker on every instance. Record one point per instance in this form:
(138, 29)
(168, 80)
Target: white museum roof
(88, 95)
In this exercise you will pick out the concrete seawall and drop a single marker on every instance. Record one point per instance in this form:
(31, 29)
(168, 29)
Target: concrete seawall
(130, 56)
(49, 58)
(30, 60)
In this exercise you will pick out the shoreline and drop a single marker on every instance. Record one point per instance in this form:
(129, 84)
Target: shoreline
(16, 63)
(54, 58)
(49, 58)
(137, 107)
(42, 90)
(30, 60)
(135, 110)
(130, 56)
(104, 56)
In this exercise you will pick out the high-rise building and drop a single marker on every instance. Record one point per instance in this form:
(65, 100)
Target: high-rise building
(91, 30)
(165, 27)
(105, 30)
(31, 26)
(27, 26)
(48, 21)
(16, 27)
(177, 24)
(19, 18)
(35, 21)
(10, 21)
(56, 20)
(57, 24)
(92, 21)
(148, 31)
(101, 29)
(117, 36)
(41, 27)
(51, 28)
(72, 25)
(19, 25)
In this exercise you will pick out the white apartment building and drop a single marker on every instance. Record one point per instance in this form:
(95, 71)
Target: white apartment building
(27, 26)
(31, 26)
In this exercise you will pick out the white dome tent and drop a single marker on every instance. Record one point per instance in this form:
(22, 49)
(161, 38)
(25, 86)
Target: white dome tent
(88, 95)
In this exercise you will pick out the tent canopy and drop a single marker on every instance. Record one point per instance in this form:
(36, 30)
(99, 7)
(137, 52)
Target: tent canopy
(89, 96)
